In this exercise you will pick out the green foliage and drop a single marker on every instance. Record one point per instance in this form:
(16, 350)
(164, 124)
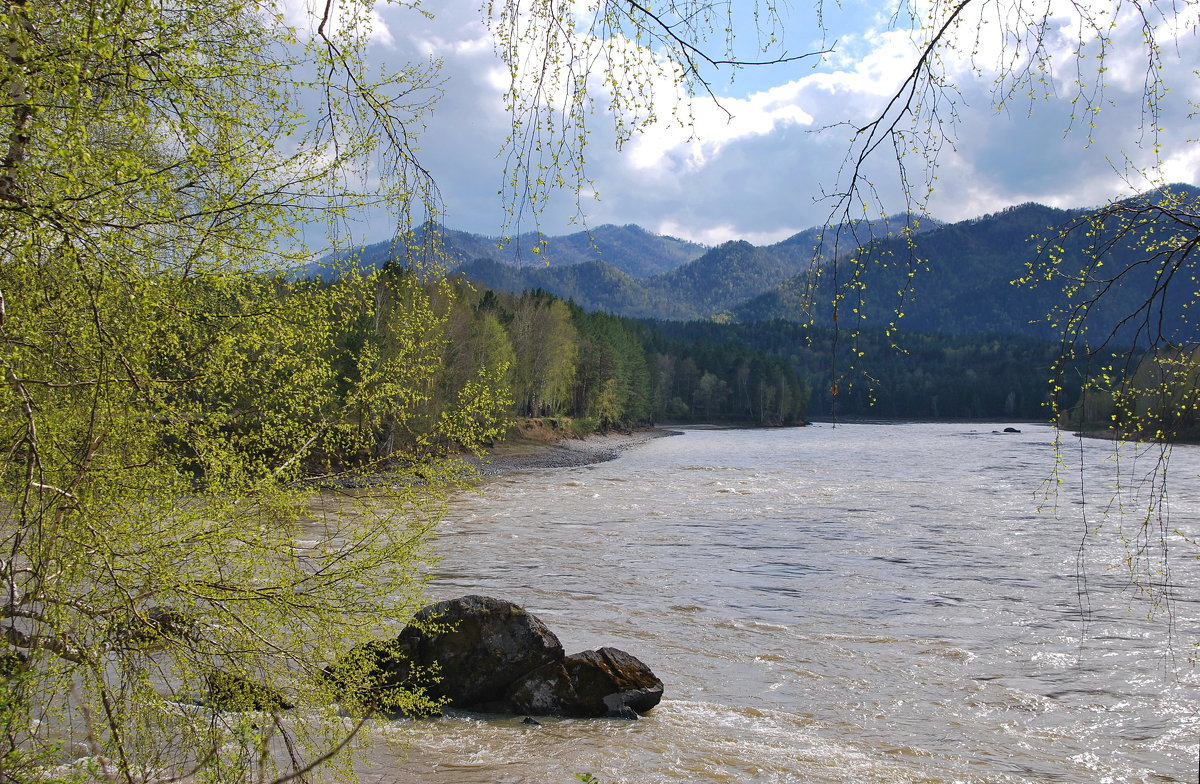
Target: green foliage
(612, 383)
(546, 346)
(988, 376)
(158, 447)
(1158, 400)
(607, 372)
(705, 372)
(22, 763)
(170, 406)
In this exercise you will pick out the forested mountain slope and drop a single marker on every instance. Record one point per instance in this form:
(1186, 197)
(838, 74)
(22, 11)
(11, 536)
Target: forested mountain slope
(630, 249)
(593, 285)
(708, 285)
(961, 280)
(723, 278)
(956, 278)
(992, 274)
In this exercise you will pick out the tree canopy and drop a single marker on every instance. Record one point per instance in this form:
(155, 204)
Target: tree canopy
(171, 399)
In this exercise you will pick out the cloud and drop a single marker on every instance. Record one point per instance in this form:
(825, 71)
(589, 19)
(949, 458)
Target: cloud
(760, 173)
(716, 124)
(1090, 139)
(305, 16)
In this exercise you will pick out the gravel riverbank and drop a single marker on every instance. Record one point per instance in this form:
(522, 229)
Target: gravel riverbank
(567, 453)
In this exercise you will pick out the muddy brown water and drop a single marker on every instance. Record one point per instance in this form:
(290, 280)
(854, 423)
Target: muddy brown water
(865, 603)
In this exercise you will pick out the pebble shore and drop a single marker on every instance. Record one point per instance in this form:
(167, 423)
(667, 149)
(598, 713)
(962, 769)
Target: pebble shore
(568, 453)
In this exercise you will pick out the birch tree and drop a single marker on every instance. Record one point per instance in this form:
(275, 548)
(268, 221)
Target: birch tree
(170, 582)
(546, 346)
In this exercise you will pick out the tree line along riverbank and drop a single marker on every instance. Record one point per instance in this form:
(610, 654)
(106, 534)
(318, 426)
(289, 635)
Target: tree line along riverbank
(536, 356)
(533, 356)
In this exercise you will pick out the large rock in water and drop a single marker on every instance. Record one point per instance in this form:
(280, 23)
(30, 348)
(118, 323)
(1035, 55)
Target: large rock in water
(606, 682)
(479, 647)
(490, 655)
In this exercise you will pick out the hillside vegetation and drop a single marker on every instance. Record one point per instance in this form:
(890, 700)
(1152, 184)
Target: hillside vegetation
(960, 320)
(987, 274)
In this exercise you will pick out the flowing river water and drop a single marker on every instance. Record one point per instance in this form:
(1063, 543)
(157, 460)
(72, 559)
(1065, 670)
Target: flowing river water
(860, 603)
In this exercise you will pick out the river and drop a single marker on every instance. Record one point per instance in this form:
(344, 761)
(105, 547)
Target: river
(859, 603)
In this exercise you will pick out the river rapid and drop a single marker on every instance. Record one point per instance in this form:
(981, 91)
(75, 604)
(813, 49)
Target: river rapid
(859, 603)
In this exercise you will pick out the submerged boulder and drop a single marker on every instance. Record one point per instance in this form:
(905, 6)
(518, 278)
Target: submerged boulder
(153, 627)
(12, 663)
(490, 655)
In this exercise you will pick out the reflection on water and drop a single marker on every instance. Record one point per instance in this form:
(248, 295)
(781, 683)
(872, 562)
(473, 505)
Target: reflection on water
(850, 604)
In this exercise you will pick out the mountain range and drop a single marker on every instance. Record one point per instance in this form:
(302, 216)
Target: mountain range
(630, 249)
(955, 278)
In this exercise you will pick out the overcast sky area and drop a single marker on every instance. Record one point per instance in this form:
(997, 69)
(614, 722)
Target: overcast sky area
(755, 167)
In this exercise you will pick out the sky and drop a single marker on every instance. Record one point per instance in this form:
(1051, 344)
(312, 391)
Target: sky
(756, 160)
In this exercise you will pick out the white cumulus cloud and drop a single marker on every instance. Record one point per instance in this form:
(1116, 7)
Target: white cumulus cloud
(755, 162)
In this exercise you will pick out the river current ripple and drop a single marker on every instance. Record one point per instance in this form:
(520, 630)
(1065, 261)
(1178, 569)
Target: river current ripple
(859, 603)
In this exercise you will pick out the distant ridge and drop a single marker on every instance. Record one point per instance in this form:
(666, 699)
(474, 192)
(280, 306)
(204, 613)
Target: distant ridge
(963, 280)
(707, 286)
(630, 249)
(955, 278)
